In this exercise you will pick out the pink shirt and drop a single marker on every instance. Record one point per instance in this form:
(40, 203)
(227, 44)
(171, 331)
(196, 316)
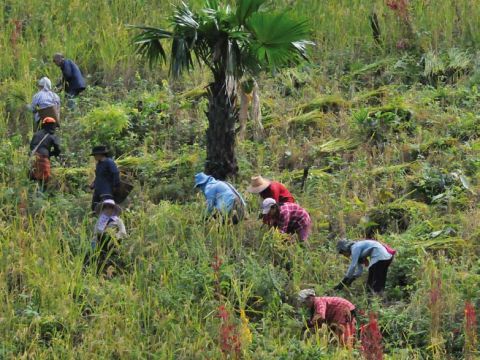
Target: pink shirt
(333, 309)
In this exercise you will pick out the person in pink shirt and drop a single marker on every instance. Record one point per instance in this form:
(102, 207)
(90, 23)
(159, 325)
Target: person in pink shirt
(336, 312)
(289, 218)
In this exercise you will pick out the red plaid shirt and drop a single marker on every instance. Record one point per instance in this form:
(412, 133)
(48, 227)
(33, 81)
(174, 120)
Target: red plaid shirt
(333, 309)
(293, 218)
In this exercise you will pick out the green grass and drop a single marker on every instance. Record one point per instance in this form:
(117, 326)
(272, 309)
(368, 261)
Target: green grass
(165, 303)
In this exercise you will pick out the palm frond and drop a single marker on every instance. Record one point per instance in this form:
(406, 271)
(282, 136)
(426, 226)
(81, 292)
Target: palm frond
(278, 39)
(245, 8)
(149, 43)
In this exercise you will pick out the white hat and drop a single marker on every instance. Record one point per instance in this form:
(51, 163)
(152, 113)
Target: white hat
(267, 205)
(108, 202)
(305, 294)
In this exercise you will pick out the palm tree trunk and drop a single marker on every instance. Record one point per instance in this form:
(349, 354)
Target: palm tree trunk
(222, 116)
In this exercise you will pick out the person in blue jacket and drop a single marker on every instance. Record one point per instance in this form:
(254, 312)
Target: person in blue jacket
(221, 197)
(107, 176)
(72, 76)
(372, 254)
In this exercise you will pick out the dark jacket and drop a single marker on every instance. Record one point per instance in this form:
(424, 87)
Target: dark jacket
(50, 146)
(74, 81)
(107, 177)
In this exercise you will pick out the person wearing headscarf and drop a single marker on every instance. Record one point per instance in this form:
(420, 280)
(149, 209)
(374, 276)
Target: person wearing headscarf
(337, 313)
(372, 254)
(45, 98)
(43, 145)
(289, 218)
(72, 80)
(221, 197)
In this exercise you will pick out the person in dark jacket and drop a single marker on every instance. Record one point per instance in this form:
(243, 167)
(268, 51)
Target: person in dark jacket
(73, 80)
(44, 144)
(107, 176)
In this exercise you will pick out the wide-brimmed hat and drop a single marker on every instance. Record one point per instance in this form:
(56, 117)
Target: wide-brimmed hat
(99, 150)
(258, 184)
(304, 294)
(267, 205)
(201, 178)
(108, 203)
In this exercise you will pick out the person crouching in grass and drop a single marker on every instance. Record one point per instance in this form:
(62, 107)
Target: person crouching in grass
(337, 313)
(109, 231)
(289, 218)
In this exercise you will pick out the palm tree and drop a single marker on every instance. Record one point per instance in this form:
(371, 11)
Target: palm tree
(232, 42)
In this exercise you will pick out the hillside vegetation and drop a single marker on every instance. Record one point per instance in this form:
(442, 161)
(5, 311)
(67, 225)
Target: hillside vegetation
(377, 136)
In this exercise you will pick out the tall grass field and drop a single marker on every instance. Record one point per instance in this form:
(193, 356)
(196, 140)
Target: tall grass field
(378, 135)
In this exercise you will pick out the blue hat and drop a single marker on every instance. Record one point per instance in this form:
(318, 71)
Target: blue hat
(201, 178)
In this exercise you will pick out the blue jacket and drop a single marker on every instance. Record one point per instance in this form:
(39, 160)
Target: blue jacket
(72, 76)
(366, 249)
(219, 194)
(107, 177)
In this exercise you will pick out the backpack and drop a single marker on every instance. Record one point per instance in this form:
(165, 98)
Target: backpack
(389, 249)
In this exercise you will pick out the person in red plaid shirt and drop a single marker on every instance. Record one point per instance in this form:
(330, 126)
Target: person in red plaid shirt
(289, 218)
(336, 312)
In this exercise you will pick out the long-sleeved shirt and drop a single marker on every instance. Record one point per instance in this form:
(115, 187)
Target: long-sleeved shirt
(107, 177)
(220, 195)
(365, 249)
(74, 81)
(44, 99)
(334, 310)
(293, 219)
(50, 146)
(278, 192)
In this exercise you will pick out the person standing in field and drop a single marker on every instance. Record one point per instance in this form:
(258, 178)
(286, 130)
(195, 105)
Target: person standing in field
(73, 81)
(44, 99)
(222, 197)
(369, 253)
(43, 145)
(289, 218)
(337, 313)
(107, 176)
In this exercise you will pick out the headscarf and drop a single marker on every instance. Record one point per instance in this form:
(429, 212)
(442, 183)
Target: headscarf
(45, 83)
(344, 245)
(304, 294)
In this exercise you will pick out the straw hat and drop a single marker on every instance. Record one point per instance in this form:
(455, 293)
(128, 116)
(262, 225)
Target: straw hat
(258, 184)
(108, 203)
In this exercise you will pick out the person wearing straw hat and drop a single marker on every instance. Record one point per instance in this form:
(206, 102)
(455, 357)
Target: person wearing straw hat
(107, 176)
(221, 197)
(109, 230)
(270, 189)
(370, 253)
(336, 312)
(43, 145)
(289, 218)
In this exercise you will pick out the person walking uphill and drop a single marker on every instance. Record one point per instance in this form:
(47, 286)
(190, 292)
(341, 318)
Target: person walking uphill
(45, 100)
(107, 176)
(221, 197)
(336, 312)
(289, 218)
(73, 80)
(360, 251)
(44, 144)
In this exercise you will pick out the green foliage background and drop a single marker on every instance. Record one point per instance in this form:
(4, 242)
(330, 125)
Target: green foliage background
(391, 138)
